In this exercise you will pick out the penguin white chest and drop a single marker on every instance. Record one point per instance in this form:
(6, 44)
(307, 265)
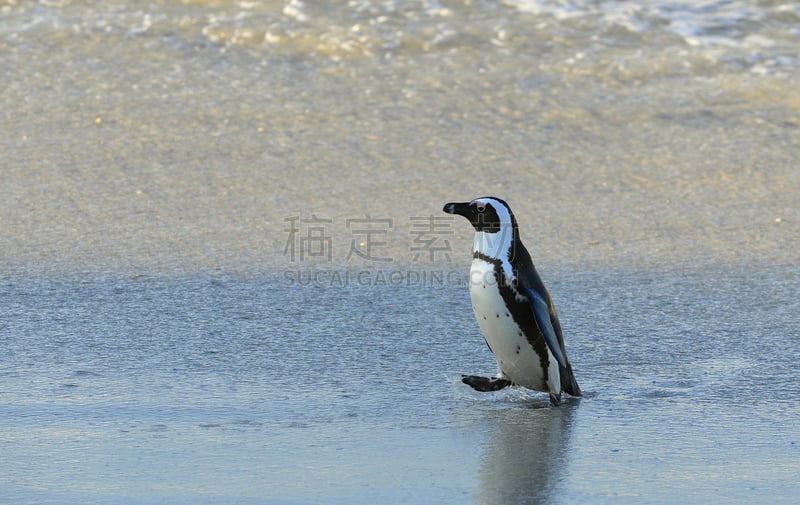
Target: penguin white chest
(516, 358)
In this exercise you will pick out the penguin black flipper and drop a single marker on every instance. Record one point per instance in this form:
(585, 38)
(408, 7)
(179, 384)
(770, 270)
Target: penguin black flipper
(485, 384)
(547, 319)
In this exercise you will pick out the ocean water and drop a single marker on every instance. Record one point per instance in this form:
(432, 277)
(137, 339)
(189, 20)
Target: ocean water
(231, 390)
(757, 36)
(221, 279)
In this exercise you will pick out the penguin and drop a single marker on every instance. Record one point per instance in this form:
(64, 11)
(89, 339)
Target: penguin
(513, 308)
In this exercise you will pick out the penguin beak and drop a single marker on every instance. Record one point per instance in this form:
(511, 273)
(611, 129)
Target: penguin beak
(462, 209)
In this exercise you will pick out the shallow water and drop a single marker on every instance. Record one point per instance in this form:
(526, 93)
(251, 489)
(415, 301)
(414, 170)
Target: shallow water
(231, 390)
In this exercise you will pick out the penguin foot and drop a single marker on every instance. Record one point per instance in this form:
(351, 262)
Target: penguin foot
(485, 384)
(555, 399)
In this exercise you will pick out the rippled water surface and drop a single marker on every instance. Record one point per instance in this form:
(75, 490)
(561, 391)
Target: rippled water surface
(224, 390)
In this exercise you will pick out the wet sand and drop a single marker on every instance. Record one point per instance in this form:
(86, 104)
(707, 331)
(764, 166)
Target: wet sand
(153, 153)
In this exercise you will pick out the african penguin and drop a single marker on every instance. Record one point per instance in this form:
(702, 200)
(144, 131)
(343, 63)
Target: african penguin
(513, 309)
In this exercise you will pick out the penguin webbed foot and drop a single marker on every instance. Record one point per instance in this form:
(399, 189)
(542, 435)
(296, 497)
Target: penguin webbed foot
(485, 384)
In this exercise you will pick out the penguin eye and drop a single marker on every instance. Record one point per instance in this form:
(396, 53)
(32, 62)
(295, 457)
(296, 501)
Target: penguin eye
(480, 206)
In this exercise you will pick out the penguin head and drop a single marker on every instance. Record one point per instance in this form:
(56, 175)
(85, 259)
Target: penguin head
(487, 214)
(495, 226)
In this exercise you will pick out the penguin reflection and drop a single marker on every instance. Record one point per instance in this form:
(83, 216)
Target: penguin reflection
(526, 455)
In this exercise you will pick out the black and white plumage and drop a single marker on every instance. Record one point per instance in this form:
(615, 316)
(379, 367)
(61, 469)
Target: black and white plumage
(514, 310)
